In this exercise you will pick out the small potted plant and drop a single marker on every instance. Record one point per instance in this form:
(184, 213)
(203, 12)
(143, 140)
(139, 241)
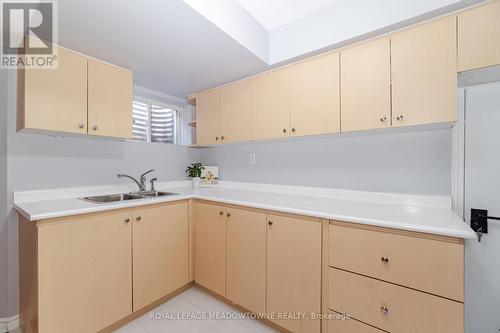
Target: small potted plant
(194, 171)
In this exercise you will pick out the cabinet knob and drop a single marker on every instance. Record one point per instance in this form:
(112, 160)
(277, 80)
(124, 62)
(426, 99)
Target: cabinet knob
(216, 138)
(293, 129)
(385, 260)
(221, 213)
(138, 218)
(400, 117)
(383, 119)
(270, 222)
(81, 126)
(228, 214)
(222, 137)
(94, 127)
(284, 130)
(384, 309)
(127, 220)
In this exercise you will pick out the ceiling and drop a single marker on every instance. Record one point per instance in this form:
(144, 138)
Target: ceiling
(276, 13)
(169, 47)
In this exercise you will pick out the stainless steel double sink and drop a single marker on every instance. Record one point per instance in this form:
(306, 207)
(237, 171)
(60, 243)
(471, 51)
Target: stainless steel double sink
(98, 199)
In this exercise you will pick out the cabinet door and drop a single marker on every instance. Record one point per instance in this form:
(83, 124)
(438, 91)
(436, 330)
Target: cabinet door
(160, 256)
(271, 105)
(56, 99)
(246, 259)
(85, 272)
(366, 86)
(210, 247)
(294, 271)
(109, 100)
(478, 37)
(208, 117)
(315, 96)
(235, 119)
(424, 74)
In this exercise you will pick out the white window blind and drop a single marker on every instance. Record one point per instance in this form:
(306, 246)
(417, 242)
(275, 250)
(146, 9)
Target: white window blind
(153, 122)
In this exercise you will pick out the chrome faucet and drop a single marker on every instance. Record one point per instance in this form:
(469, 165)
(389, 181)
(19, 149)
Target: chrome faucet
(142, 183)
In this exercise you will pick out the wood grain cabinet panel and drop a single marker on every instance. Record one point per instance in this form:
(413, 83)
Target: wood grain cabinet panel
(424, 74)
(160, 251)
(271, 105)
(366, 86)
(110, 94)
(210, 247)
(315, 96)
(208, 117)
(348, 325)
(478, 37)
(393, 308)
(246, 259)
(434, 266)
(236, 122)
(84, 272)
(294, 271)
(55, 99)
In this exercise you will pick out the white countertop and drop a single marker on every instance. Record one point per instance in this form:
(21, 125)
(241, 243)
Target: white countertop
(427, 214)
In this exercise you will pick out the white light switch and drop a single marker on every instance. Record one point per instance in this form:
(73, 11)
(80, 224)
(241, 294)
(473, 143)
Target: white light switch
(252, 158)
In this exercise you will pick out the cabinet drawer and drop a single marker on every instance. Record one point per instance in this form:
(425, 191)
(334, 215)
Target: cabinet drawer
(349, 326)
(391, 307)
(435, 266)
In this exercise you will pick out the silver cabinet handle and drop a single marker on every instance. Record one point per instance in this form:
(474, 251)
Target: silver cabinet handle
(400, 117)
(384, 309)
(81, 126)
(384, 259)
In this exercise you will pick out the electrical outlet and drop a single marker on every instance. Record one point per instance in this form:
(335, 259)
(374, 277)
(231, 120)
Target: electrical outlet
(252, 158)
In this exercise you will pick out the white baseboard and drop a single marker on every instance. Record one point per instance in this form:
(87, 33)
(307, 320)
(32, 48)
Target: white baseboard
(9, 324)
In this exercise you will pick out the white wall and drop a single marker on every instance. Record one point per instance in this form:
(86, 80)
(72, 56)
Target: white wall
(41, 161)
(416, 162)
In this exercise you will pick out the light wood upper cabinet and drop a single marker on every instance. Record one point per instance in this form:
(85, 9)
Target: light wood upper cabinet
(315, 96)
(110, 94)
(424, 74)
(55, 99)
(478, 37)
(235, 120)
(84, 272)
(160, 251)
(210, 247)
(270, 105)
(366, 85)
(294, 270)
(208, 117)
(246, 259)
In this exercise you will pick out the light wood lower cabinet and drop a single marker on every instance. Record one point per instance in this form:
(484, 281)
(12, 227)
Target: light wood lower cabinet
(391, 307)
(246, 259)
(294, 271)
(478, 37)
(210, 247)
(160, 251)
(84, 279)
(424, 74)
(340, 325)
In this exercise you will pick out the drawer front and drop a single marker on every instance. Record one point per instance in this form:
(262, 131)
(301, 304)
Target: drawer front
(392, 308)
(349, 326)
(431, 265)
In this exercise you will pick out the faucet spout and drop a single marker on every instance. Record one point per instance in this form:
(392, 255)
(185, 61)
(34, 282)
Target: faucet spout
(131, 178)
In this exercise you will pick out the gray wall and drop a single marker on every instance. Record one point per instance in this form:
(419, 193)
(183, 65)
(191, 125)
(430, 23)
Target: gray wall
(43, 162)
(416, 162)
(3, 194)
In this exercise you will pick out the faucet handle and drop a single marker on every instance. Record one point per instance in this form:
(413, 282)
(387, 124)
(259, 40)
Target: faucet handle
(145, 173)
(152, 181)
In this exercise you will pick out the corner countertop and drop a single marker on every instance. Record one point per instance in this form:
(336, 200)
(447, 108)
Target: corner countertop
(420, 213)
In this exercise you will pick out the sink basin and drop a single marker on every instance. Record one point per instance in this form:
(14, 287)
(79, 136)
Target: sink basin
(112, 198)
(126, 197)
(157, 194)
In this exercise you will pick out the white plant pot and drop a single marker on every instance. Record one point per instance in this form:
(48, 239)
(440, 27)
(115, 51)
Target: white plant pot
(196, 182)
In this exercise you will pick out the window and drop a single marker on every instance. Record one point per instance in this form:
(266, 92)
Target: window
(154, 122)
